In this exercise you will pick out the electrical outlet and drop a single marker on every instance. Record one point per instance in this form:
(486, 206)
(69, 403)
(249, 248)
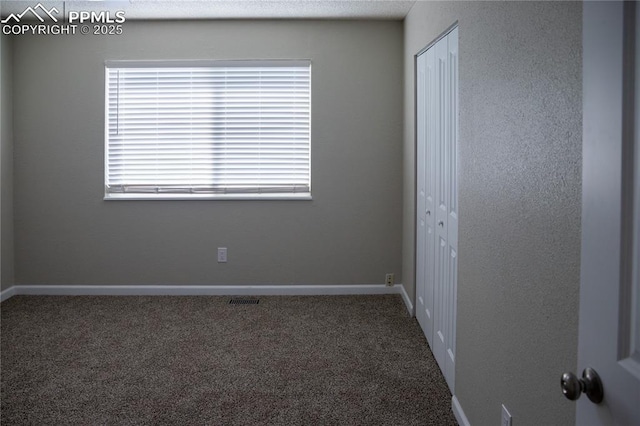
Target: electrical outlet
(389, 280)
(222, 255)
(506, 417)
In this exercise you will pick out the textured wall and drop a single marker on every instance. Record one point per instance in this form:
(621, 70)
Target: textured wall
(520, 195)
(6, 163)
(349, 234)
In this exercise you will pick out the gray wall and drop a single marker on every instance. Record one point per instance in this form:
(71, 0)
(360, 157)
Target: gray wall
(349, 234)
(520, 195)
(6, 164)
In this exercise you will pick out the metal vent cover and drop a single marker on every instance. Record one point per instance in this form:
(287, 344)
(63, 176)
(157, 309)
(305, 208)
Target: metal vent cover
(241, 301)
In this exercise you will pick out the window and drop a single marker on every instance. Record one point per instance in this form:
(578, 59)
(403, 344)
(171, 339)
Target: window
(222, 129)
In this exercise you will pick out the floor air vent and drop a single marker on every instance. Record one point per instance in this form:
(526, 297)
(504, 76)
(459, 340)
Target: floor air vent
(244, 301)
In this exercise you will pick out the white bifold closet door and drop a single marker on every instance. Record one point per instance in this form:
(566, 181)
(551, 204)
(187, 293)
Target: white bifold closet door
(437, 199)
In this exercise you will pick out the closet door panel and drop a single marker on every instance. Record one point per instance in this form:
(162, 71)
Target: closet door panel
(430, 189)
(452, 207)
(437, 199)
(421, 225)
(441, 115)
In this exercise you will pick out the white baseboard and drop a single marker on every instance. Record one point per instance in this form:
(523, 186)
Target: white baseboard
(205, 290)
(407, 300)
(458, 412)
(8, 293)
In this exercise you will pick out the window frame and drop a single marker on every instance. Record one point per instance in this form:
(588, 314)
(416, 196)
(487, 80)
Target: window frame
(162, 196)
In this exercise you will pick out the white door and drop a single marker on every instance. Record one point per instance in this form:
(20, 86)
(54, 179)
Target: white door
(446, 250)
(437, 198)
(421, 225)
(425, 240)
(609, 335)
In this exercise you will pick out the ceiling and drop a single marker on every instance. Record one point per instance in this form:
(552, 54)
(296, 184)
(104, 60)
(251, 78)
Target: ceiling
(225, 9)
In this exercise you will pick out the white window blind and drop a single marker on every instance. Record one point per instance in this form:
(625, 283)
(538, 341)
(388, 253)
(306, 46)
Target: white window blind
(232, 127)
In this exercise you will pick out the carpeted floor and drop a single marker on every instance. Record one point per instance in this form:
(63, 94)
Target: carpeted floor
(330, 360)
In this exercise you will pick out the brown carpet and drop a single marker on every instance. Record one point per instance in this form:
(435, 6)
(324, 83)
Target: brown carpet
(330, 360)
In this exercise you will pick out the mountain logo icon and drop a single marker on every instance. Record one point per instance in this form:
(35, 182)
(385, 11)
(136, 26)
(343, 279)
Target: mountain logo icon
(44, 12)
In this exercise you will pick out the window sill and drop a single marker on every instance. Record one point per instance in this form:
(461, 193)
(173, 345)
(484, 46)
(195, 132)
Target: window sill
(196, 197)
